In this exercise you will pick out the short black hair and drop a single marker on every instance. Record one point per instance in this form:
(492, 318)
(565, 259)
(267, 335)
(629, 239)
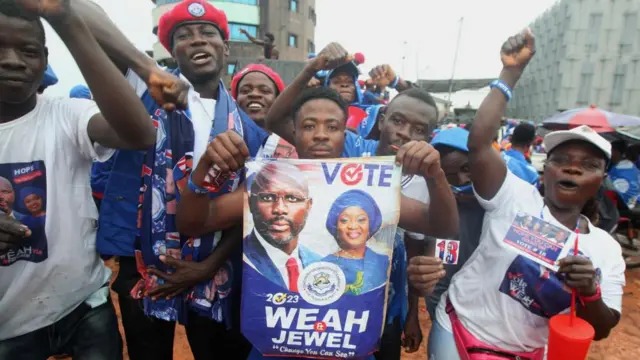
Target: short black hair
(11, 9)
(421, 95)
(523, 134)
(270, 36)
(319, 93)
(619, 146)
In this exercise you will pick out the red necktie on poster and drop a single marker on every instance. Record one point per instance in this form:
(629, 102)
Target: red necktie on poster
(294, 273)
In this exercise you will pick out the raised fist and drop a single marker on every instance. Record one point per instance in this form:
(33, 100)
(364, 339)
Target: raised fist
(331, 57)
(382, 75)
(167, 89)
(518, 50)
(46, 8)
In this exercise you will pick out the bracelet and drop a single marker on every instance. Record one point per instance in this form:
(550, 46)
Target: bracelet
(395, 82)
(593, 298)
(195, 188)
(502, 86)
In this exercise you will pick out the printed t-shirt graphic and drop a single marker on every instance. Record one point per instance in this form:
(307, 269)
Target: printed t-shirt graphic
(23, 188)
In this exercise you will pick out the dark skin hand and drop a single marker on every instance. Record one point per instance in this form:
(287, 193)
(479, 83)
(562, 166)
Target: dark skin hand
(581, 276)
(228, 152)
(187, 274)
(488, 170)
(166, 89)
(277, 120)
(12, 234)
(123, 122)
(424, 273)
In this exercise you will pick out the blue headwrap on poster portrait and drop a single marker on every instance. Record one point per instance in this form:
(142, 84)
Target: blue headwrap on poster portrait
(354, 198)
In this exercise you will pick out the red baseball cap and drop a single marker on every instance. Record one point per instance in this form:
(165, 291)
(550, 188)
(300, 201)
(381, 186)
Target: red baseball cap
(190, 11)
(269, 72)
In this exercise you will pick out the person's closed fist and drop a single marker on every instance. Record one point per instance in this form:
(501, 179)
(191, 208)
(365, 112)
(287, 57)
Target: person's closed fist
(424, 273)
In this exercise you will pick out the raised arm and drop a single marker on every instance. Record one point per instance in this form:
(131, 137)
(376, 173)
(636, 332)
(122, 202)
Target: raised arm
(197, 213)
(384, 76)
(440, 217)
(123, 121)
(488, 170)
(165, 88)
(251, 38)
(330, 57)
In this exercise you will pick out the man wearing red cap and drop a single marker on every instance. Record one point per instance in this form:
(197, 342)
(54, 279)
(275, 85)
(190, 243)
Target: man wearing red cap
(196, 35)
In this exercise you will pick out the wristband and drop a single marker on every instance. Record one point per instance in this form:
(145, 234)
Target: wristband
(502, 86)
(395, 82)
(593, 298)
(195, 188)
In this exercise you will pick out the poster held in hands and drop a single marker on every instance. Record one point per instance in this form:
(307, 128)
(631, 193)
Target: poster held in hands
(318, 242)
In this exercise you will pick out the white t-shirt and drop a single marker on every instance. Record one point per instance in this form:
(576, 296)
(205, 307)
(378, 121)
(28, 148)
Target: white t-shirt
(47, 157)
(415, 187)
(202, 113)
(505, 300)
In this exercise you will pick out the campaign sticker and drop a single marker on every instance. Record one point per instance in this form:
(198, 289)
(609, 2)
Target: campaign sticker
(448, 251)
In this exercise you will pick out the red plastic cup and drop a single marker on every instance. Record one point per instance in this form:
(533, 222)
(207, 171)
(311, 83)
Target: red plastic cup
(569, 341)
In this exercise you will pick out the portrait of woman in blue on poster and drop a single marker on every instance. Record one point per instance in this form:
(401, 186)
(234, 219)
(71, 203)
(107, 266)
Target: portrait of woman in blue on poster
(318, 242)
(353, 219)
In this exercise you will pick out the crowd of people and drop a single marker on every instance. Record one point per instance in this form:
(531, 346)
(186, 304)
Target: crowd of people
(123, 168)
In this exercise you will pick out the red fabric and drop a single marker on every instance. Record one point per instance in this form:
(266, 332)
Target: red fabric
(593, 118)
(190, 11)
(356, 115)
(358, 58)
(294, 273)
(271, 74)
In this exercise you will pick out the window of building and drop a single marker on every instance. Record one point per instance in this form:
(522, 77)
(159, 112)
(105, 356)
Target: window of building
(617, 91)
(236, 35)
(312, 15)
(593, 32)
(293, 40)
(293, 5)
(231, 68)
(586, 78)
(311, 47)
(629, 32)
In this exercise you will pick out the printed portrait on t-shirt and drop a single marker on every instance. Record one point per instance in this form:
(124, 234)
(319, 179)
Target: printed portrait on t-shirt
(23, 188)
(538, 289)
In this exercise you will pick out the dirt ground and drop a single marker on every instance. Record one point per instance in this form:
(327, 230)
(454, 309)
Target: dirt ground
(622, 344)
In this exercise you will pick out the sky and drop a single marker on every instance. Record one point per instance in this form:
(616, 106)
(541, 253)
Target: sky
(416, 37)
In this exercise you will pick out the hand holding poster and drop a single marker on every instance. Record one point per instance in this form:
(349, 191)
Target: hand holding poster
(318, 241)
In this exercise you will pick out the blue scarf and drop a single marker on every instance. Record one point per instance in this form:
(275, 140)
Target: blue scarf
(163, 180)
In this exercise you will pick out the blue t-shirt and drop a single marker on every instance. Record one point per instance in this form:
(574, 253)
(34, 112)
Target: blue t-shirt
(624, 177)
(518, 165)
(357, 146)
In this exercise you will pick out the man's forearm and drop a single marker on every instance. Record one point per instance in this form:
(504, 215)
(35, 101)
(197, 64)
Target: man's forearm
(443, 211)
(118, 102)
(121, 51)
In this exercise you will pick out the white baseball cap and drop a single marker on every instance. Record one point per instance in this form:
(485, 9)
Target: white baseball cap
(583, 133)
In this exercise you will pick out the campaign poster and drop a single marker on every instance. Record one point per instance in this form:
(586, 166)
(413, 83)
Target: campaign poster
(318, 242)
(539, 240)
(23, 196)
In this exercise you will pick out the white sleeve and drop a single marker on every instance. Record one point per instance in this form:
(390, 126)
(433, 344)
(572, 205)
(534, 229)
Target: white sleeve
(76, 116)
(511, 188)
(417, 190)
(136, 82)
(612, 279)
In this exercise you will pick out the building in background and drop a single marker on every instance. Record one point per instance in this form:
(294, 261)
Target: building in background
(587, 53)
(292, 22)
